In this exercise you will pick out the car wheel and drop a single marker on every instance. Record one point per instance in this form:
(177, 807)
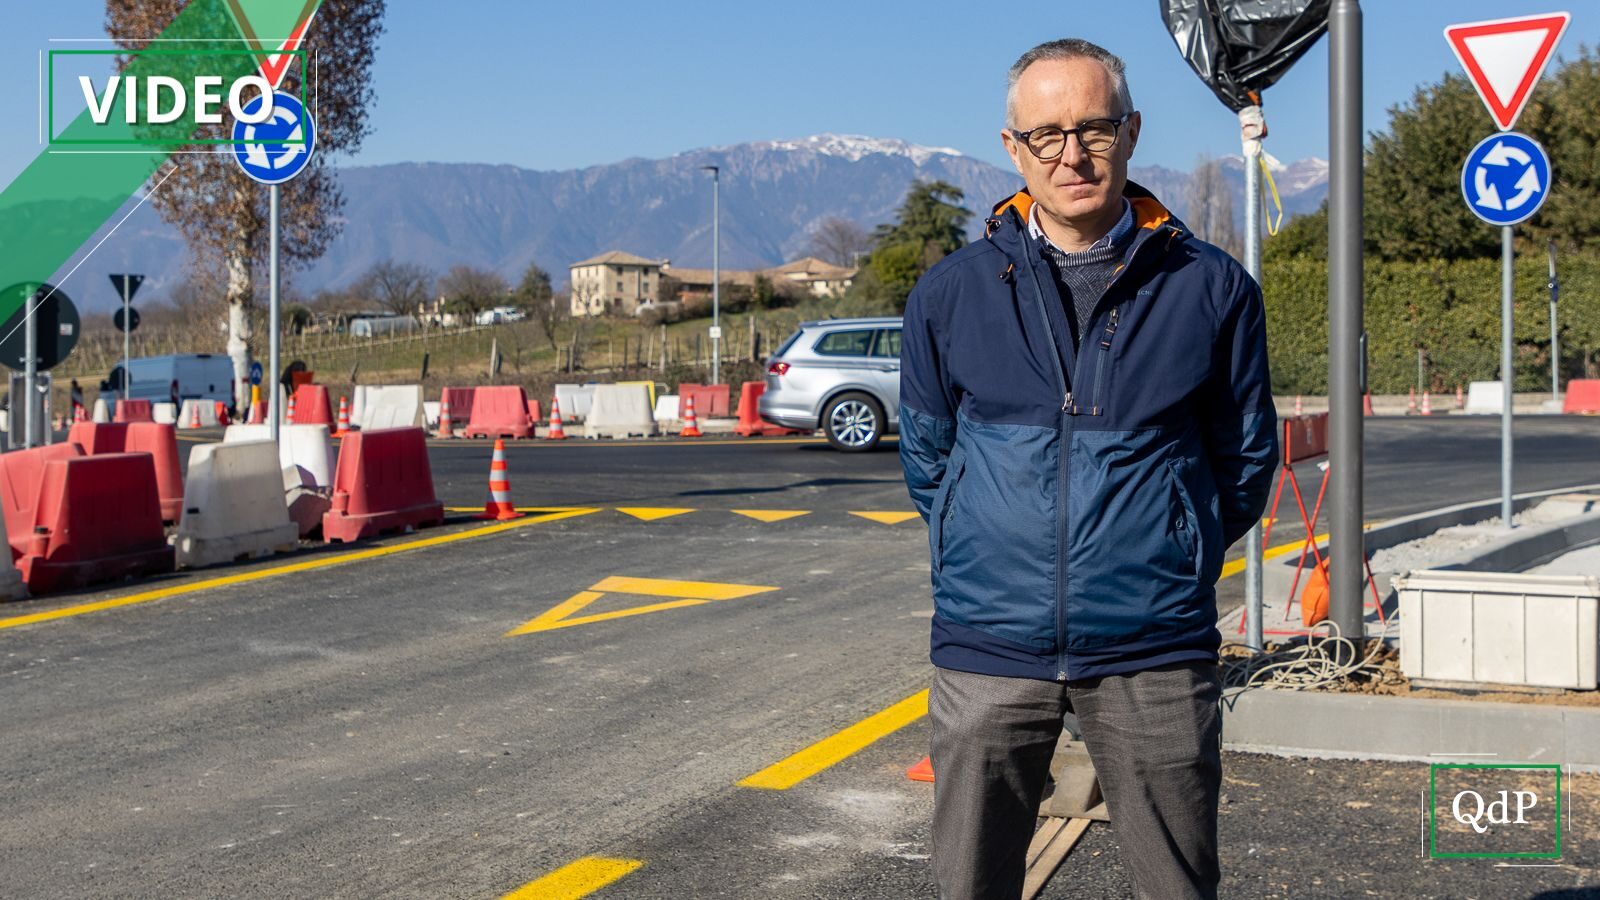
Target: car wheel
(853, 422)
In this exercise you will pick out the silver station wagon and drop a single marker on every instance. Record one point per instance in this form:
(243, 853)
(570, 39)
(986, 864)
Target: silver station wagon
(839, 375)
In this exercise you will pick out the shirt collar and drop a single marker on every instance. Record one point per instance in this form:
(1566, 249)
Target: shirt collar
(1123, 226)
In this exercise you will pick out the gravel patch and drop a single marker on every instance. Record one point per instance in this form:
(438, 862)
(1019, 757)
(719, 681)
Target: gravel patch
(1445, 543)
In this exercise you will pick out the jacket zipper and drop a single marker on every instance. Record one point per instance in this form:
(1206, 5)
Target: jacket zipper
(1100, 363)
(1061, 466)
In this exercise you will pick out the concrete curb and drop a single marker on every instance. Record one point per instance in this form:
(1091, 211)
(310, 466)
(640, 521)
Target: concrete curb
(1359, 726)
(1527, 547)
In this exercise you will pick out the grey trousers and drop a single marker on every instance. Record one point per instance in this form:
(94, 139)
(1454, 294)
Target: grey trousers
(1156, 741)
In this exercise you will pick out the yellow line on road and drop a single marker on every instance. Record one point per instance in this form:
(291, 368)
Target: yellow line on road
(261, 574)
(797, 768)
(579, 878)
(1237, 566)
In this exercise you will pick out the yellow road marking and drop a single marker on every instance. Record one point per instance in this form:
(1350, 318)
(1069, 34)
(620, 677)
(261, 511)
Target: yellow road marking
(1237, 566)
(787, 773)
(652, 513)
(887, 518)
(524, 509)
(261, 574)
(688, 593)
(579, 878)
(772, 515)
(694, 590)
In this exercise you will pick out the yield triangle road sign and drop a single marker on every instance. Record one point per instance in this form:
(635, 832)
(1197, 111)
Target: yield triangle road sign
(271, 28)
(1505, 57)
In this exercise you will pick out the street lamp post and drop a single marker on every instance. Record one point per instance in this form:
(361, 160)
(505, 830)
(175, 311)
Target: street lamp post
(716, 277)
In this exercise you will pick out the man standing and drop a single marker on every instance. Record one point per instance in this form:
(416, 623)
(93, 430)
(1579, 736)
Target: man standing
(1086, 425)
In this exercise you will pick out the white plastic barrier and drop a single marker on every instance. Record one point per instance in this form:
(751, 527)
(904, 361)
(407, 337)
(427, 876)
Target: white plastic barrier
(575, 400)
(620, 410)
(667, 408)
(389, 406)
(102, 411)
(430, 414)
(207, 410)
(1485, 398)
(306, 447)
(233, 506)
(164, 413)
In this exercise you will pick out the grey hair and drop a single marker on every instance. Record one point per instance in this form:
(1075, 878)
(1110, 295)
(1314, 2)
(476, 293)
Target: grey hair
(1064, 49)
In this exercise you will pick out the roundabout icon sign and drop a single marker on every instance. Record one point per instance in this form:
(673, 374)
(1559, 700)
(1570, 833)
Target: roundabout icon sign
(279, 148)
(1506, 178)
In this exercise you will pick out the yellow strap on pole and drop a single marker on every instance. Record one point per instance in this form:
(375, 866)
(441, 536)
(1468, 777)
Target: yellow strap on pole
(1272, 187)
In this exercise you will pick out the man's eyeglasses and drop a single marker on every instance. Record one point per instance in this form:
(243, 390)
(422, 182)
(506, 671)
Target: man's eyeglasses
(1094, 136)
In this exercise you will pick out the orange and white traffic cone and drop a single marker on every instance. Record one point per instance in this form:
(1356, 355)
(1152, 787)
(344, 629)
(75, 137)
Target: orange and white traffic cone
(222, 414)
(1299, 410)
(1427, 404)
(499, 506)
(1411, 401)
(79, 414)
(921, 770)
(1366, 404)
(557, 433)
(258, 410)
(344, 417)
(1461, 397)
(194, 416)
(291, 409)
(447, 428)
(691, 425)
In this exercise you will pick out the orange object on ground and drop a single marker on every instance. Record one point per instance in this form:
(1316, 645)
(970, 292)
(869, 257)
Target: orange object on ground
(222, 414)
(1427, 404)
(691, 425)
(1583, 396)
(1314, 601)
(1461, 397)
(160, 441)
(750, 421)
(1299, 410)
(447, 428)
(194, 416)
(1366, 404)
(383, 483)
(310, 406)
(133, 411)
(922, 771)
(289, 416)
(344, 417)
(499, 506)
(556, 432)
(500, 411)
(95, 518)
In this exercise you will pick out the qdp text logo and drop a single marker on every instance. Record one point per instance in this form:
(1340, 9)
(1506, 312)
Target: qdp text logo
(1494, 810)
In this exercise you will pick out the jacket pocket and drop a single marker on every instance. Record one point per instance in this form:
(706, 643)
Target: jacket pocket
(1186, 520)
(944, 510)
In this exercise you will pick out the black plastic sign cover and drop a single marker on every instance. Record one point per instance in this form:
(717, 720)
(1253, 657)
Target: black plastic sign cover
(1240, 47)
(133, 320)
(57, 321)
(127, 285)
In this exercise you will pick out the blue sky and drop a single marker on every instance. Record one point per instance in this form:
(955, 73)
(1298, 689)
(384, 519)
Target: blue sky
(554, 86)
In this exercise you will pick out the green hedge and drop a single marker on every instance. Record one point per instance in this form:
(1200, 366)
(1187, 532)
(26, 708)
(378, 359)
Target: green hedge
(1449, 309)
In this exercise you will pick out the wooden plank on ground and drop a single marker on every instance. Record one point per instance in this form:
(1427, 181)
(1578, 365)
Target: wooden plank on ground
(1050, 845)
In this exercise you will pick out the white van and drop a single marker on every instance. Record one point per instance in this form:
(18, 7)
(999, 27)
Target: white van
(177, 377)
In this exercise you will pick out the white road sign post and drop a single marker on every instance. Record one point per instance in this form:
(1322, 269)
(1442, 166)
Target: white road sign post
(1507, 176)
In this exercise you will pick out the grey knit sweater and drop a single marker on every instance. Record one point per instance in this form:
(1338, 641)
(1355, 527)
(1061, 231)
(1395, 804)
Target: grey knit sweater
(1082, 277)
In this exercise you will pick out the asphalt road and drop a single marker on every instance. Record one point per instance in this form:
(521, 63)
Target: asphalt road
(376, 729)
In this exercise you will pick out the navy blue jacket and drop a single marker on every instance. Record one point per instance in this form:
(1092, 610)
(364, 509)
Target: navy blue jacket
(1079, 499)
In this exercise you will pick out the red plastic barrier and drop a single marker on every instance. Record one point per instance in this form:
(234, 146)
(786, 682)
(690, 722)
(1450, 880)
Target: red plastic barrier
(134, 411)
(383, 483)
(97, 518)
(535, 411)
(99, 437)
(20, 474)
(1583, 396)
(160, 441)
(298, 380)
(311, 406)
(710, 400)
(1304, 437)
(499, 411)
(750, 422)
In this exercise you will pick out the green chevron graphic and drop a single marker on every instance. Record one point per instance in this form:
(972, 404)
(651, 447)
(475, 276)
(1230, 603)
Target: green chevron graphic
(68, 192)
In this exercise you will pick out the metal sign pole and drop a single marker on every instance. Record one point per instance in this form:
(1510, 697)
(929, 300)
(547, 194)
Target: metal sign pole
(1345, 313)
(1555, 334)
(1507, 376)
(1255, 637)
(716, 278)
(127, 337)
(272, 311)
(30, 372)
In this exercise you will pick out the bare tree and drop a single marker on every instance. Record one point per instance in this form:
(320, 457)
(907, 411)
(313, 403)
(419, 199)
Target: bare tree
(396, 286)
(1211, 206)
(220, 211)
(468, 290)
(839, 241)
